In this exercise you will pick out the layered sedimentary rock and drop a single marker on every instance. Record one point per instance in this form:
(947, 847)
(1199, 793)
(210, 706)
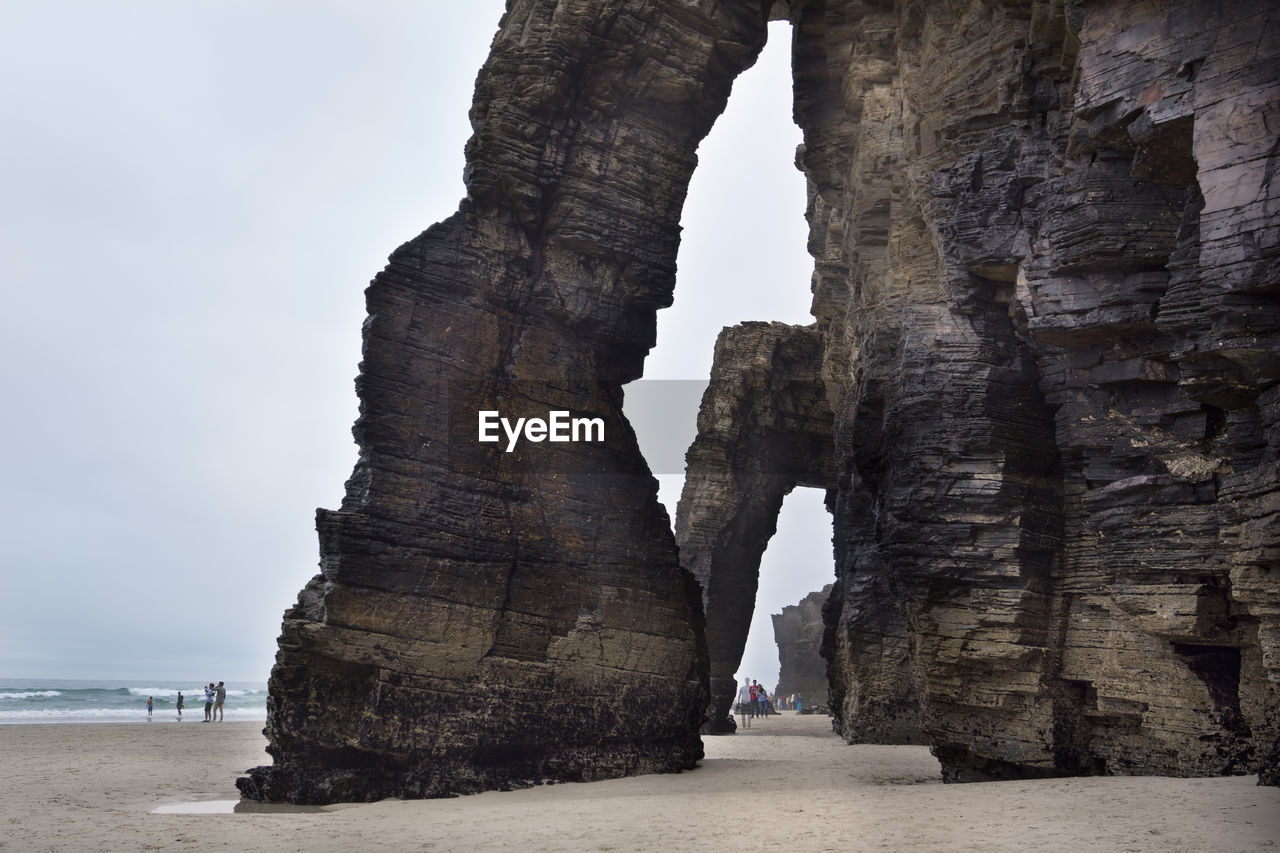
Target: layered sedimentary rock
(798, 631)
(763, 429)
(486, 618)
(1047, 276)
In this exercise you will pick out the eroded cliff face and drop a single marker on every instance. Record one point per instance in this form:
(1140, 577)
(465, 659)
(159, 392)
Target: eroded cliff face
(484, 618)
(1046, 284)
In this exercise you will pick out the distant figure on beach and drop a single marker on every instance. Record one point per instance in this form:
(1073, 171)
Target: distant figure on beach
(744, 702)
(209, 693)
(150, 707)
(220, 696)
(181, 704)
(755, 700)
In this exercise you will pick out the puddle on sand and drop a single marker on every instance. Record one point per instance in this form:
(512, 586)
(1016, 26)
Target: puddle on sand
(198, 807)
(234, 807)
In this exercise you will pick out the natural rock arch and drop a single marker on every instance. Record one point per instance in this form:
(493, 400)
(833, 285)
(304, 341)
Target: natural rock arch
(1046, 333)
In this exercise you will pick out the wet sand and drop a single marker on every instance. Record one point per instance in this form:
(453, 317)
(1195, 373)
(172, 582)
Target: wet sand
(788, 781)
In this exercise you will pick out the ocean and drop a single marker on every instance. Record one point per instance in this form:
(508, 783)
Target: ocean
(62, 700)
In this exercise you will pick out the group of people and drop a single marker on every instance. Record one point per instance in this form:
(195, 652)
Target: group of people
(753, 701)
(214, 697)
(788, 703)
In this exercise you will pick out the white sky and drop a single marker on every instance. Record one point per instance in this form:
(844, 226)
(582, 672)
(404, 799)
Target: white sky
(193, 196)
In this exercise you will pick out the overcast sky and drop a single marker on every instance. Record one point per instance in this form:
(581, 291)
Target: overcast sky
(193, 197)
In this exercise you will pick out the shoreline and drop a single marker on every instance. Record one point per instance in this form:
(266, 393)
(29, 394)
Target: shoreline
(786, 781)
(55, 701)
(144, 721)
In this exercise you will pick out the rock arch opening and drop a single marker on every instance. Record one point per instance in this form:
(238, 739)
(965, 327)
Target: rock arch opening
(797, 573)
(764, 428)
(743, 256)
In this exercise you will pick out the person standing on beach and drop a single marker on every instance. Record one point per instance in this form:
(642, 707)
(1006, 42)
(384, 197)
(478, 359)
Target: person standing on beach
(208, 702)
(744, 702)
(150, 707)
(181, 704)
(219, 696)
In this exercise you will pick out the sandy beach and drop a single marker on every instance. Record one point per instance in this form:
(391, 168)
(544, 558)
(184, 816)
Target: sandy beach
(786, 783)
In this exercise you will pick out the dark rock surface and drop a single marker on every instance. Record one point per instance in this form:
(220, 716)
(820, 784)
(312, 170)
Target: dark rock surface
(1047, 276)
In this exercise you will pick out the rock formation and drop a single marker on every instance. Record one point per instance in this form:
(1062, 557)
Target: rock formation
(798, 630)
(1047, 278)
(1042, 392)
(763, 429)
(486, 618)
(1047, 266)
